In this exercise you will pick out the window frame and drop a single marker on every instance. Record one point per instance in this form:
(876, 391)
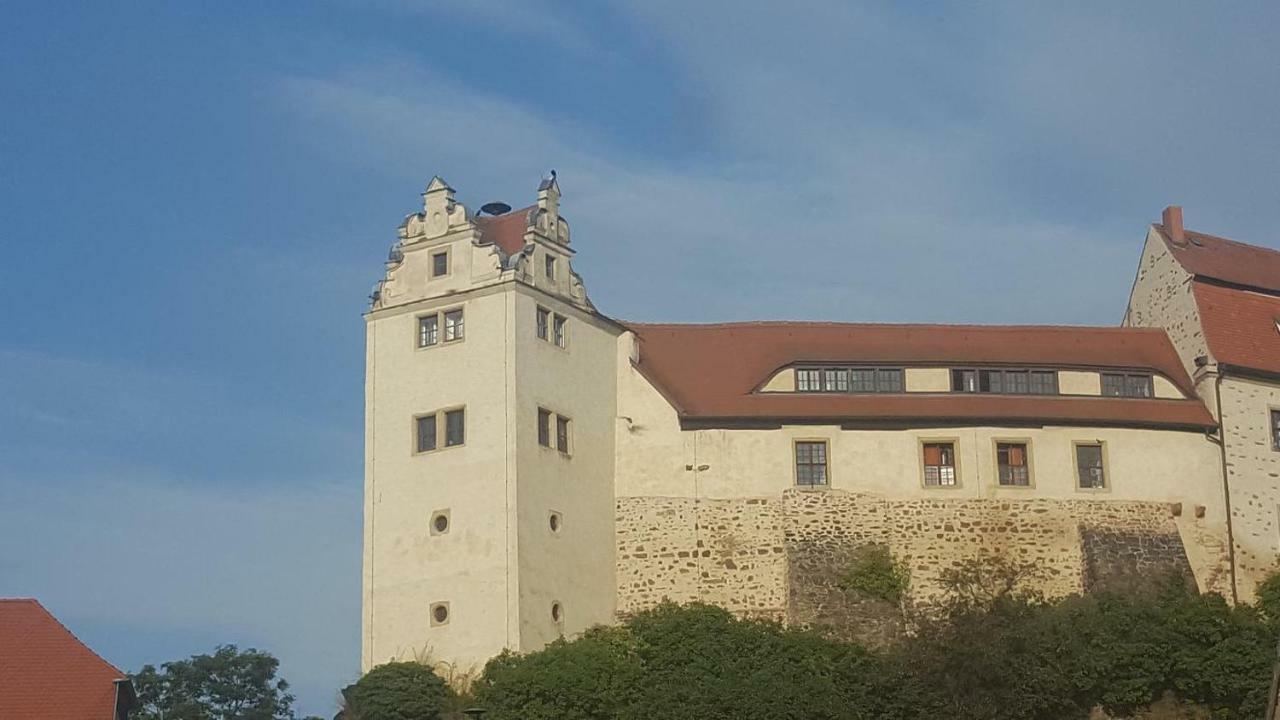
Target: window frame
(549, 269)
(1003, 378)
(954, 442)
(461, 326)
(1029, 462)
(448, 263)
(559, 335)
(1125, 377)
(542, 324)
(441, 429)
(439, 315)
(1106, 465)
(416, 441)
(564, 443)
(418, 328)
(826, 463)
(544, 428)
(844, 379)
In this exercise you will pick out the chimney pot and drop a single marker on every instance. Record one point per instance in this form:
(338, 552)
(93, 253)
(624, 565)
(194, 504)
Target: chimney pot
(1172, 220)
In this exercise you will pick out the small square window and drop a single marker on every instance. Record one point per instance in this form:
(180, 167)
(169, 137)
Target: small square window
(544, 427)
(558, 330)
(455, 430)
(939, 464)
(562, 434)
(964, 380)
(1090, 467)
(1013, 464)
(835, 380)
(811, 462)
(889, 381)
(550, 266)
(426, 433)
(440, 264)
(453, 325)
(428, 330)
(544, 320)
(862, 380)
(808, 380)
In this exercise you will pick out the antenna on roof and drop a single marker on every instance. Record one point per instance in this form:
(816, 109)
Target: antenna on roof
(495, 208)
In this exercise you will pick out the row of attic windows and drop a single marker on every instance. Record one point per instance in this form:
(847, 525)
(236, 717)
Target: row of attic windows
(1003, 381)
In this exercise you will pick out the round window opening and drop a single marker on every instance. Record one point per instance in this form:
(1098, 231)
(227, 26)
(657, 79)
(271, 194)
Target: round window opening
(555, 522)
(440, 613)
(555, 612)
(440, 523)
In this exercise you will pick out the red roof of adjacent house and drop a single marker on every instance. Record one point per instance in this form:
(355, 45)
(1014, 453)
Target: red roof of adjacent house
(46, 672)
(1227, 261)
(506, 230)
(1237, 291)
(1242, 327)
(712, 372)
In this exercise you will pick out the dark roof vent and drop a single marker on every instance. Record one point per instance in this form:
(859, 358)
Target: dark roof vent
(495, 208)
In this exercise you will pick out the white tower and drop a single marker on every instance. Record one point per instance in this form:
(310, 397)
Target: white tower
(490, 405)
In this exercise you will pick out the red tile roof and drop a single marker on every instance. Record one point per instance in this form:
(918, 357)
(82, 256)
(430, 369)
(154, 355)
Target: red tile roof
(1240, 326)
(46, 672)
(506, 230)
(711, 372)
(1228, 261)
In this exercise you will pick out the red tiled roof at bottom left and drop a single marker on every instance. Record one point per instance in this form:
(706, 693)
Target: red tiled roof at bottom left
(46, 672)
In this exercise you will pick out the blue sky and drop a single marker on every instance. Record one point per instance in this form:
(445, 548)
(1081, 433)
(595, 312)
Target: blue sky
(195, 199)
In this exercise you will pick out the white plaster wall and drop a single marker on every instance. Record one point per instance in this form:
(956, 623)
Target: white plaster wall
(1162, 297)
(1079, 382)
(927, 379)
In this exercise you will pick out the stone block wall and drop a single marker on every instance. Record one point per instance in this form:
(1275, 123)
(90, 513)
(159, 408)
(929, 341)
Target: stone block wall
(782, 557)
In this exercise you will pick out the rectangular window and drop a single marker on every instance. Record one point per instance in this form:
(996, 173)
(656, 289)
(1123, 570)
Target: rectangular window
(811, 463)
(1013, 465)
(455, 428)
(1275, 429)
(808, 380)
(544, 427)
(544, 320)
(1010, 382)
(964, 380)
(888, 381)
(453, 325)
(426, 433)
(439, 264)
(1089, 466)
(550, 266)
(940, 464)
(1126, 385)
(562, 434)
(428, 330)
(558, 330)
(835, 380)
(1044, 382)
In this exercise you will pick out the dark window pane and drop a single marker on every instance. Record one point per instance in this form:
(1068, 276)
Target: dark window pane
(544, 317)
(454, 428)
(989, 381)
(439, 264)
(862, 380)
(1137, 386)
(562, 434)
(1112, 385)
(1275, 429)
(808, 380)
(1089, 465)
(888, 381)
(557, 330)
(939, 464)
(1011, 458)
(551, 267)
(1044, 382)
(544, 427)
(426, 433)
(428, 330)
(964, 380)
(811, 463)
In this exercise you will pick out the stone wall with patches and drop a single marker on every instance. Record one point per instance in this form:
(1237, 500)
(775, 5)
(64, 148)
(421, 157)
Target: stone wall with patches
(782, 557)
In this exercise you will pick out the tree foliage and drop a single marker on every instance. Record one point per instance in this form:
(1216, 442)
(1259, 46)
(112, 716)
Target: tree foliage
(230, 684)
(397, 691)
(992, 650)
(875, 573)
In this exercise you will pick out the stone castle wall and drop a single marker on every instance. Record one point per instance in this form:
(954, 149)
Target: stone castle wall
(781, 557)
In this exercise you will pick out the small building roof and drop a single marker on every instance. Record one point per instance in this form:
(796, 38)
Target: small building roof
(47, 673)
(1211, 257)
(712, 372)
(506, 230)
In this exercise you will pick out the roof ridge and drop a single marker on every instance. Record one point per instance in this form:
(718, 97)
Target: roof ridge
(837, 323)
(68, 631)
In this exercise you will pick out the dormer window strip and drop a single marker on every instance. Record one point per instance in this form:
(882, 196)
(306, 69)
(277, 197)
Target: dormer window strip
(996, 381)
(849, 380)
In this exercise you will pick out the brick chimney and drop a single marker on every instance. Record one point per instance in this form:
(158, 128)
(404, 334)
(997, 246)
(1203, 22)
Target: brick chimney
(1172, 221)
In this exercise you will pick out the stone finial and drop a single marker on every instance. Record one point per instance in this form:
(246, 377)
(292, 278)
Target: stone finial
(440, 212)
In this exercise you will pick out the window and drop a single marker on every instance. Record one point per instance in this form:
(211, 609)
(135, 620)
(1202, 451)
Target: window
(811, 462)
(1011, 382)
(557, 330)
(940, 464)
(888, 380)
(453, 325)
(544, 320)
(440, 264)
(808, 380)
(1275, 429)
(835, 380)
(1090, 466)
(544, 427)
(562, 434)
(1126, 385)
(426, 433)
(1013, 464)
(455, 430)
(428, 330)
(550, 266)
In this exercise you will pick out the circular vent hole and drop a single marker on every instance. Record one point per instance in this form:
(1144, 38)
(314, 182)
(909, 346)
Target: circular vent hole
(554, 522)
(440, 523)
(440, 613)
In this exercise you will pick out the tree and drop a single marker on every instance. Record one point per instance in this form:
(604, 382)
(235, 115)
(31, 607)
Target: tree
(230, 684)
(397, 691)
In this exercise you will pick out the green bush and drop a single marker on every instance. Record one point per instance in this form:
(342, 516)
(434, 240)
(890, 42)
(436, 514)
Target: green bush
(875, 573)
(397, 691)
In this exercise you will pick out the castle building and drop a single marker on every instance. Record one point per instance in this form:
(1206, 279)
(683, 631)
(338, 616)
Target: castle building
(534, 467)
